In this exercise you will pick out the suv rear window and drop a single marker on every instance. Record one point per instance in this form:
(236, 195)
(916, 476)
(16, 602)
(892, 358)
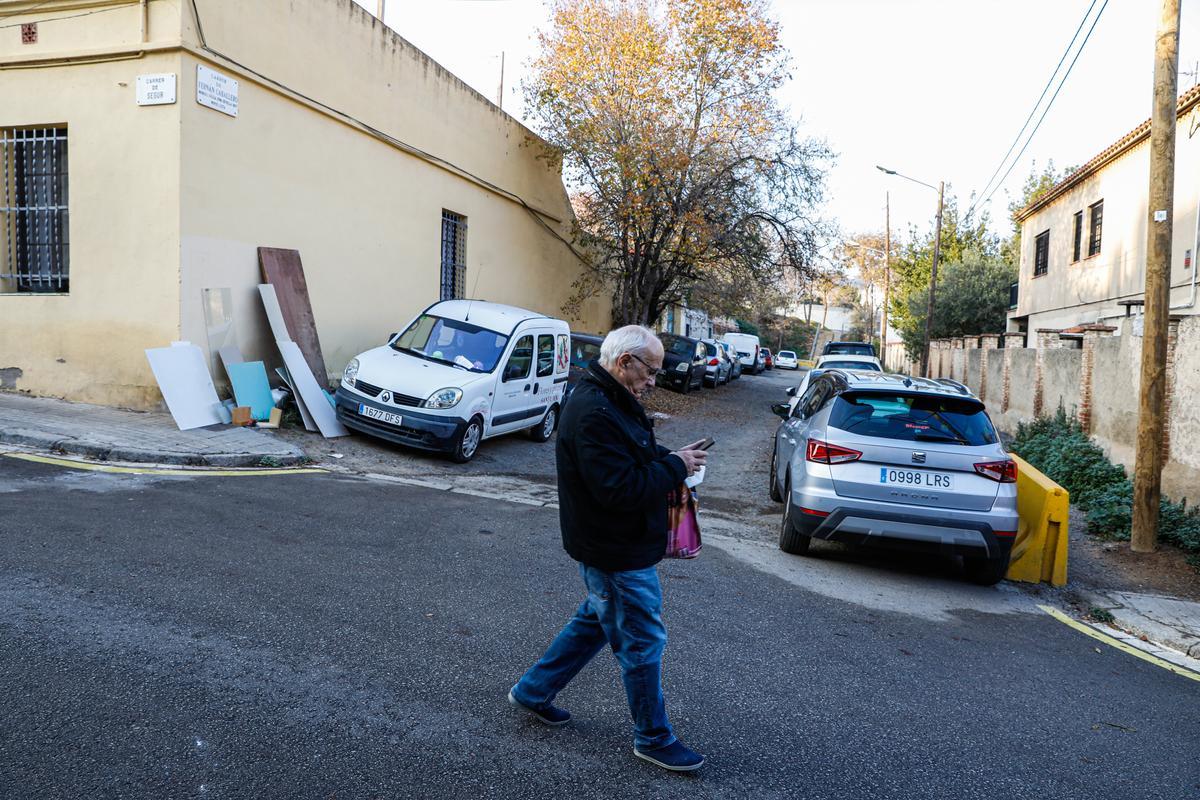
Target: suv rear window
(913, 418)
(849, 365)
(849, 349)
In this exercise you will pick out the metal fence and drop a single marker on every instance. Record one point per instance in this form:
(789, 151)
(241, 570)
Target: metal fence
(35, 251)
(454, 256)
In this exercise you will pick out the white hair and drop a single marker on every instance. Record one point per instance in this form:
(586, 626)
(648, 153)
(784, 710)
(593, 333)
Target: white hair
(633, 339)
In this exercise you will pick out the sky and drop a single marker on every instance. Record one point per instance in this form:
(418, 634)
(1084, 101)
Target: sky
(934, 89)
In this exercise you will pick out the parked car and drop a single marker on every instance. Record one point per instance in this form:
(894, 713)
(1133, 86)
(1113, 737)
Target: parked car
(718, 366)
(462, 371)
(786, 359)
(849, 362)
(748, 350)
(898, 461)
(734, 362)
(585, 348)
(685, 362)
(768, 359)
(762, 361)
(849, 349)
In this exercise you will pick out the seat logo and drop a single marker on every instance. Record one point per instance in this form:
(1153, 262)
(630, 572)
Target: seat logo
(918, 457)
(386, 397)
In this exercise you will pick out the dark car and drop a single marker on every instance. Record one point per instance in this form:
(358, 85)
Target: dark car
(585, 348)
(849, 349)
(685, 363)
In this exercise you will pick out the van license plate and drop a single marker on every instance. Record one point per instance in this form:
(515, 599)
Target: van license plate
(913, 477)
(382, 416)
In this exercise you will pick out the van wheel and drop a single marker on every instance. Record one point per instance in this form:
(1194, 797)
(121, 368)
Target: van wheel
(467, 443)
(790, 539)
(545, 429)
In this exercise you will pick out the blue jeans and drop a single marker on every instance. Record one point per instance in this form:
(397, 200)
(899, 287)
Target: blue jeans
(623, 609)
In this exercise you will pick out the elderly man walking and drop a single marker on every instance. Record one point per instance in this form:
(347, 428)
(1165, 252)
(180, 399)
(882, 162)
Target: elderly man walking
(613, 481)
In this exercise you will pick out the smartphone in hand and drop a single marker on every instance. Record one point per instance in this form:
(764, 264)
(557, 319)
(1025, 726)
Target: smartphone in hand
(707, 443)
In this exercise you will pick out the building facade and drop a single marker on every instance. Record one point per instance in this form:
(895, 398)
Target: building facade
(1083, 244)
(147, 154)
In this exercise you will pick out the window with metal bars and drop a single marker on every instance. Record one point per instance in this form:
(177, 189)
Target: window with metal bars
(454, 255)
(35, 253)
(1096, 214)
(1041, 254)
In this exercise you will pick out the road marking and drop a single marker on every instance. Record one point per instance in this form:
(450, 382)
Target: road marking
(190, 473)
(1118, 644)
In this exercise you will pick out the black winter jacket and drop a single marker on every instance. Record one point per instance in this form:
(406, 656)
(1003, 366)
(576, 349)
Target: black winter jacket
(613, 478)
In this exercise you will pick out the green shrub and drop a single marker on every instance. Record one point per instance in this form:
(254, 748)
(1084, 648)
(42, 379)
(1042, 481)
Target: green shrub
(1057, 446)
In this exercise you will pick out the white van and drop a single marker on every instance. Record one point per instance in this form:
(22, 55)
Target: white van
(461, 372)
(747, 347)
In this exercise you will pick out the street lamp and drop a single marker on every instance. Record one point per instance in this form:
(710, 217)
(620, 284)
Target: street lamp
(937, 249)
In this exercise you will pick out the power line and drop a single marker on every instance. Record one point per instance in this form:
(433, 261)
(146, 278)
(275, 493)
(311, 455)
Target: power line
(1045, 110)
(1033, 110)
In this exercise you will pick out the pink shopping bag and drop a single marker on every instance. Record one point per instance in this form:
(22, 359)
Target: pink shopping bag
(683, 536)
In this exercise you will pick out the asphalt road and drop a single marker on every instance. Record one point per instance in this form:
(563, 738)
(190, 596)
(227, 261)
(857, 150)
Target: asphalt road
(320, 636)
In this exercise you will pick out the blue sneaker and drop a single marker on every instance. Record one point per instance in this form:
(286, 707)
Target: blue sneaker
(549, 714)
(675, 757)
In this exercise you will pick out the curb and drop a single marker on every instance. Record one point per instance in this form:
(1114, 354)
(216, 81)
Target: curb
(1139, 626)
(98, 452)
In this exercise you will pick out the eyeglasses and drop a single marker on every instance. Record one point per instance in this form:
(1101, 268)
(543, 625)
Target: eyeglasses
(650, 369)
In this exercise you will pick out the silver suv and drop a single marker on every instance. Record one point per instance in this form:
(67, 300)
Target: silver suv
(908, 462)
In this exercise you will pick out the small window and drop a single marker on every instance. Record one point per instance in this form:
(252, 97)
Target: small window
(35, 252)
(1077, 247)
(1096, 224)
(520, 360)
(545, 353)
(1041, 254)
(562, 358)
(454, 256)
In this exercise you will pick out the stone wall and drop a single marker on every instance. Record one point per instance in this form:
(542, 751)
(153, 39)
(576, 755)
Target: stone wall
(1094, 376)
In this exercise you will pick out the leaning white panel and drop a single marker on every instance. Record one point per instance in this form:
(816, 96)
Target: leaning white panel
(186, 384)
(274, 313)
(310, 392)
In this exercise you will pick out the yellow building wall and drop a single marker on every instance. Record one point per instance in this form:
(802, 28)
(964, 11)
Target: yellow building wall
(169, 200)
(364, 214)
(123, 163)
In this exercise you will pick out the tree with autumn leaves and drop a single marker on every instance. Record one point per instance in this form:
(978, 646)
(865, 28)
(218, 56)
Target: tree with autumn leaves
(685, 171)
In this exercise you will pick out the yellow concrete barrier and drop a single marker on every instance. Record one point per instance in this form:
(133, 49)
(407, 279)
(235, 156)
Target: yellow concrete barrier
(1040, 551)
(806, 363)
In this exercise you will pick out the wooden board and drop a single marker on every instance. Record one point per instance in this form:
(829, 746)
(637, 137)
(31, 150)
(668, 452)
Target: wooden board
(282, 269)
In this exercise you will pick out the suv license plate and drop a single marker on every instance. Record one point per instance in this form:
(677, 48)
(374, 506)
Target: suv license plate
(914, 477)
(382, 416)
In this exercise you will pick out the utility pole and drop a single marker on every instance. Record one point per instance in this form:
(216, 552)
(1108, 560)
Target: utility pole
(381, 6)
(1147, 471)
(887, 268)
(937, 250)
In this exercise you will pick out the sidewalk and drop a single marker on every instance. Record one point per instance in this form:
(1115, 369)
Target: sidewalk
(110, 434)
(1169, 621)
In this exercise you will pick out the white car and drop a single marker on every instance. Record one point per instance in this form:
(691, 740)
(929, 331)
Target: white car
(786, 359)
(842, 361)
(748, 350)
(868, 363)
(461, 372)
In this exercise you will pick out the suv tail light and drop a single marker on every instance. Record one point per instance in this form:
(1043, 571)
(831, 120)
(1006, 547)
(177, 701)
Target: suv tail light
(825, 453)
(1000, 471)
(713, 362)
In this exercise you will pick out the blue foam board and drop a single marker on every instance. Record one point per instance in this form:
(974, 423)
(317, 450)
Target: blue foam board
(250, 388)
